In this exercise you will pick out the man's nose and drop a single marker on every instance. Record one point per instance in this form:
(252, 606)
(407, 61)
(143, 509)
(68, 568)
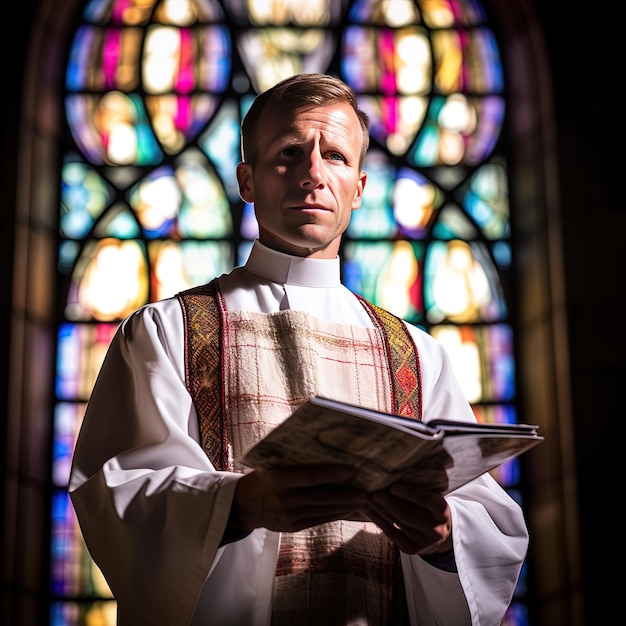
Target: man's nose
(312, 170)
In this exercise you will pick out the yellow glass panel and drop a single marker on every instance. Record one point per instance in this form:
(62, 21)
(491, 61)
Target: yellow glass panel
(273, 54)
(296, 12)
(111, 280)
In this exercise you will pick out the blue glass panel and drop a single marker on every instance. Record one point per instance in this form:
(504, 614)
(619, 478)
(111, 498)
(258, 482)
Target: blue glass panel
(501, 362)
(521, 589)
(80, 352)
(62, 544)
(374, 219)
(84, 196)
(118, 222)
(249, 225)
(484, 67)
(516, 615)
(68, 355)
(502, 254)
(68, 252)
(220, 142)
(243, 252)
(481, 142)
(67, 419)
(78, 58)
(97, 10)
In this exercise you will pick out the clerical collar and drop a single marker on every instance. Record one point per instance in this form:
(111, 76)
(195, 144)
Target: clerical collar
(293, 270)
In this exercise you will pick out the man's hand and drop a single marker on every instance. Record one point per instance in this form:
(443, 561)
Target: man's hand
(290, 499)
(416, 519)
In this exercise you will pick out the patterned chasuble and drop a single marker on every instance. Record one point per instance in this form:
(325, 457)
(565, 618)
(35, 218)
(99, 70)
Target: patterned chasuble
(239, 371)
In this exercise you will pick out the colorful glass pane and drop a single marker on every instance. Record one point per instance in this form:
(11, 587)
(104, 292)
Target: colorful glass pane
(81, 613)
(486, 200)
(119, 222)
(387, 273)
(110, 280)
(273, 54)
(181, 265)
(461, 283)
(396, 13)
(80, 352)
(482, 359)
(220, 142)
(84, 196)
(443, 13)
(112, 129)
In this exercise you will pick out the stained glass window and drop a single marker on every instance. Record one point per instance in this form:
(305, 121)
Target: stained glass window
(155, 91)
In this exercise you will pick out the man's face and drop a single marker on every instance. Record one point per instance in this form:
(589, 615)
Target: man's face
(307, 179)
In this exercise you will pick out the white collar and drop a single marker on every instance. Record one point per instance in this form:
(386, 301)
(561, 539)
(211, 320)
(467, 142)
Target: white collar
(293, 270)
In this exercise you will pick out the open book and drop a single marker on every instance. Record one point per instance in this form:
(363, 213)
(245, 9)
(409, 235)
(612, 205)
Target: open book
(442, 454)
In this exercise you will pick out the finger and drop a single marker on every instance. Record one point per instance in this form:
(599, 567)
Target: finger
(411, 495)
(413, 538)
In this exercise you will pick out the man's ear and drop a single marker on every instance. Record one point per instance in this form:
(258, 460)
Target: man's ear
(244, 179)
(358, 194)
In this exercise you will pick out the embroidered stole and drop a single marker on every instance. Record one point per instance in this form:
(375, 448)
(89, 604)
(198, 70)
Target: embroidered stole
(239, 370)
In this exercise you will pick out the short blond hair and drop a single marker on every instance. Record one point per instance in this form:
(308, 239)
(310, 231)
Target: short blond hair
(300, 91)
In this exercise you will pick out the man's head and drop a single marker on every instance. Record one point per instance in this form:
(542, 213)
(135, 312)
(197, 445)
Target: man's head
(299, 91)
(304, 143)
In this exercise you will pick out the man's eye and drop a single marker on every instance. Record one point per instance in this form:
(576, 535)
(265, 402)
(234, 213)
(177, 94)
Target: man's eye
(336, 157)
(291, 152)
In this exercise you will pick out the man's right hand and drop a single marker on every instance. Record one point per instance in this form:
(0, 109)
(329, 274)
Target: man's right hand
(290, 499)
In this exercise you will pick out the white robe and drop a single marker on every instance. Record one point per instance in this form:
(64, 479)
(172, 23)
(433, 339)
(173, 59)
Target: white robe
(153, 509)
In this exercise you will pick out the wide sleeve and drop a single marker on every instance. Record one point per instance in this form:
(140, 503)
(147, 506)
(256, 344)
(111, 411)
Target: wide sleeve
(489, 531)
(151, 507)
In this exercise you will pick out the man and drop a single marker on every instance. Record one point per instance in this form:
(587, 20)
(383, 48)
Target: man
(182, 531)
